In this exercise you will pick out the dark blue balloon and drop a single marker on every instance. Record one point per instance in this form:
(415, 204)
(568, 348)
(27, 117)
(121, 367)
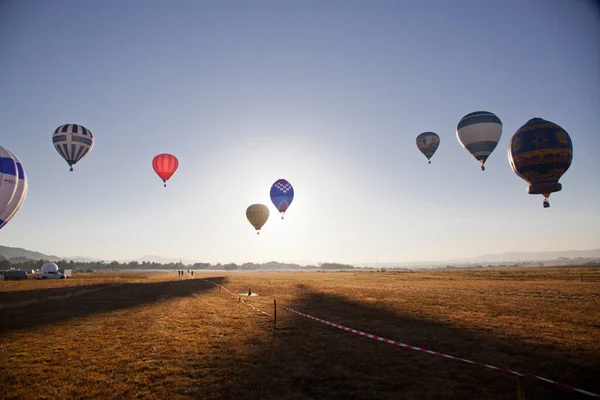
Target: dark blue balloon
(540, 152)
(282, 194)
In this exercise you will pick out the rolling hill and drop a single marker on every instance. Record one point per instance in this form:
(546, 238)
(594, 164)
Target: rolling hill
(17, 252)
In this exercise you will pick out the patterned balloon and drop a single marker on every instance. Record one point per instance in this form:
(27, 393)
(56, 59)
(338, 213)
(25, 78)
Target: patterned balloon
(73, 142)
(479, 132)
(165, 166)
(257, 214)
(282, 194)
(540, 152)
(427, 143)
(13, 185)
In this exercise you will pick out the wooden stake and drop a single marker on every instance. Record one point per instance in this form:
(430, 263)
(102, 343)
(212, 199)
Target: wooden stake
(520, 391)
(274, 315)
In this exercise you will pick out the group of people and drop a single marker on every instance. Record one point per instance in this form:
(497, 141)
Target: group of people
(180, 273)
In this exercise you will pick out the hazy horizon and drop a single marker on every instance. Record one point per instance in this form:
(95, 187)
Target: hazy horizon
(490, 258)
(328, 95)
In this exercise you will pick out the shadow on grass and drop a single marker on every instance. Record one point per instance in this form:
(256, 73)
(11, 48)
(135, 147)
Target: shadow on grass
(16, 298)
(60, 304)
(310, 360)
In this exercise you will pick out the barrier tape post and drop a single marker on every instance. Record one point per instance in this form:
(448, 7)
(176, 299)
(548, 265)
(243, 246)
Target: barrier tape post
(274, 315)
(520, 391)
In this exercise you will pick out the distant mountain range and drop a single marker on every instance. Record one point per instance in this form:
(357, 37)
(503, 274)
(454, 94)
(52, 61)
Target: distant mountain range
(510, 257)
(20, 253)
(17, 252)
(536, 256)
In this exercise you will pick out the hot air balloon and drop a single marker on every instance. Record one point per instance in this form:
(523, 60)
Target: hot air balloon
(479, 132)
(165, 166)
(72, 142)
(257, 214)
(282, 194)
(540, 152)
(13, 185)
(427, 143)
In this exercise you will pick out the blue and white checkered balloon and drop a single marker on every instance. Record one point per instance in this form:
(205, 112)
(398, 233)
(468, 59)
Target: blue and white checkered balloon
(282, 194)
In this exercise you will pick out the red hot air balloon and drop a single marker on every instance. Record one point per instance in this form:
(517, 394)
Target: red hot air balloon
(165, 166)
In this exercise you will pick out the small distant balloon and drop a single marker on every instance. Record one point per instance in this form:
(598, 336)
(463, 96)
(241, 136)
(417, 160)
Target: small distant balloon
(540, 152)
(428, 143)
(479, 132)
(257, 215)
(282, 194)
(13, 186)
(165, 166)
(73, 142)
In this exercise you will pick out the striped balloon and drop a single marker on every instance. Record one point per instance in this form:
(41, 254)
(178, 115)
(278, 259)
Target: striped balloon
(13, 186)
(72, 142)
(257, 215)
(165, 166)
(479, 132)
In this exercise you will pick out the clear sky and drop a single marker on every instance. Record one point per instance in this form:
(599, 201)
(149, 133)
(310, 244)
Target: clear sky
(329, 95)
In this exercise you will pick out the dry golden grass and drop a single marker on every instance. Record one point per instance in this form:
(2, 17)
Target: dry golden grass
(157, 336)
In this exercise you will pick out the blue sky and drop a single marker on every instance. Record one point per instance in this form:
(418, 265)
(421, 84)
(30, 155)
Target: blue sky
(329, 95)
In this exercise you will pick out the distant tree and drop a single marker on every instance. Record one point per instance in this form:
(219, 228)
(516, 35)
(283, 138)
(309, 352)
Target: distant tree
(330, 266)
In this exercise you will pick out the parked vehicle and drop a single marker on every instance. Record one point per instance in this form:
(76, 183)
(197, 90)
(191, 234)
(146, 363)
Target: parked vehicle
(66, 272)
(15, 275)
(49, 275)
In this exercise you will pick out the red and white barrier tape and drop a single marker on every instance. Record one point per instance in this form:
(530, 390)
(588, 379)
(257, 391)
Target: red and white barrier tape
(257, 309)
(242, 300)
(408, 346)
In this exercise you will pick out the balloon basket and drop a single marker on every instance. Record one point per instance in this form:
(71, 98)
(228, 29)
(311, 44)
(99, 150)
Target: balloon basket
(546, 203)
(71, 169)
(429, 162)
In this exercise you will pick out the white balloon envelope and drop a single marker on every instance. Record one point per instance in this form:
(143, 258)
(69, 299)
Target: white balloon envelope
(13, 185)
(479, 132)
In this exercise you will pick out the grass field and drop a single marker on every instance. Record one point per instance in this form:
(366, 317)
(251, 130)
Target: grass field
(153, 335)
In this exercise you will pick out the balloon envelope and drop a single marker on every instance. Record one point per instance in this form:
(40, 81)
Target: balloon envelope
(428, 143)
(165, 166)
(257, 214)
(282, 194)
(479, 132)
(540, 152)
(49, 267)
(13, 185)
(73, 142)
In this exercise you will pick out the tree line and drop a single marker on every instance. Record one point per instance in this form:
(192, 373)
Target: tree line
(79, 266)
